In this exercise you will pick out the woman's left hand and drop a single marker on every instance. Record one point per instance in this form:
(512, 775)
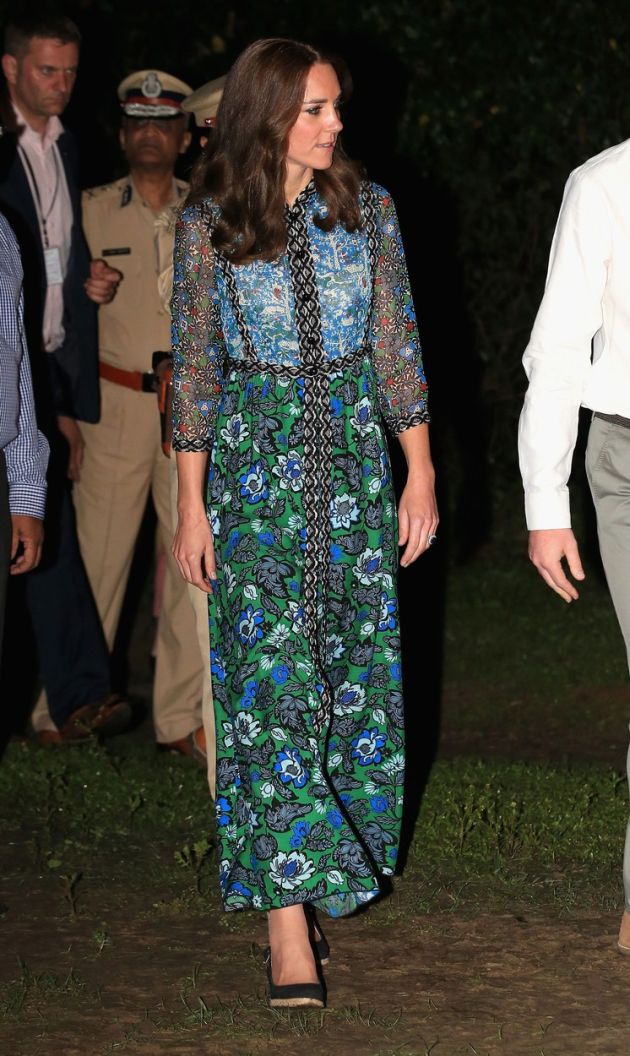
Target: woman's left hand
(418, 517)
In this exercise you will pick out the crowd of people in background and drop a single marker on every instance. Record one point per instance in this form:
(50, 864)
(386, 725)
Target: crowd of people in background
(96, 380)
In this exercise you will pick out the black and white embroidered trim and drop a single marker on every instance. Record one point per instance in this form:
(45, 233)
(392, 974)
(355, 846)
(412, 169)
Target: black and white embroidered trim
(368, 210)
(398, 425)
(317, 450)
(181, 442)
(298, 370)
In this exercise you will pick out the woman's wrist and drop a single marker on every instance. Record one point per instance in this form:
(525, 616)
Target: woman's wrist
(191, 510)
(420, 471)
(417, 452)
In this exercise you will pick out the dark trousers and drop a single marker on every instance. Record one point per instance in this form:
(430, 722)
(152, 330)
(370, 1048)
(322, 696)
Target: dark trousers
(72, 655)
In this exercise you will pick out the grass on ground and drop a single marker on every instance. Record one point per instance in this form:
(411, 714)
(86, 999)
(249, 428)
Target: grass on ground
(101, 836)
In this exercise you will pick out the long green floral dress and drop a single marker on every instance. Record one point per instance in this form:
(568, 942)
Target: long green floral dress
(284, 372)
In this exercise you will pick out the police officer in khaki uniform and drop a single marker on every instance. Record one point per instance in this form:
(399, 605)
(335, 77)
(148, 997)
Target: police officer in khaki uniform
(203, 104)
(123, 459)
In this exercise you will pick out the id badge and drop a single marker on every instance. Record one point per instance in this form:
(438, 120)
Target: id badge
(54, 271)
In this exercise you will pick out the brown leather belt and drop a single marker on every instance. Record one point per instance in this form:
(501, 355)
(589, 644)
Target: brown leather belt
(131, 379)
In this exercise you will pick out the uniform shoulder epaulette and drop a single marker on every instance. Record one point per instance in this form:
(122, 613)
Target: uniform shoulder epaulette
(110, 191)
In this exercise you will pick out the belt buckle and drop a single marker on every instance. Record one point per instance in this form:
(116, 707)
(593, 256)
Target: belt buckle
(149, 382)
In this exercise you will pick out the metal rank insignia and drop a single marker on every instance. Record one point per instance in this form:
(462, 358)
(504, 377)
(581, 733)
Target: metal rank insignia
(151, 86)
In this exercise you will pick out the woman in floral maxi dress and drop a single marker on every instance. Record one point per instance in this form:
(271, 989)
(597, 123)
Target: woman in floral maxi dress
(294, 339)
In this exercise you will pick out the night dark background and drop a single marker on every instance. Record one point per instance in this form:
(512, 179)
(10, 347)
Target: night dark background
(472, 113)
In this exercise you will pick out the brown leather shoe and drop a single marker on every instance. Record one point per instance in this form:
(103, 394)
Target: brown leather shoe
(110, 716)
(74, 731)
(193, 745)
(623, 942)
(104, 718)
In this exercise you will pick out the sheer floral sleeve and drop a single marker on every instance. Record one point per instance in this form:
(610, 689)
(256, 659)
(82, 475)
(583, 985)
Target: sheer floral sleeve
(197, 337)
(395, 340)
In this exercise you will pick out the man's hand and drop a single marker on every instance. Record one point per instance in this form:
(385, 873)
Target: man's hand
(103, 282)
(69, 428)
(547, 547)
(29, 531)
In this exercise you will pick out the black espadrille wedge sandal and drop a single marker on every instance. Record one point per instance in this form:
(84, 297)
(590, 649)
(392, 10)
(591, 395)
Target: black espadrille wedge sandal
(293, 995)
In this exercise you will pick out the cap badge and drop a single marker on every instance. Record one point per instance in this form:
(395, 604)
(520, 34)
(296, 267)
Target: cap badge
(151, 86)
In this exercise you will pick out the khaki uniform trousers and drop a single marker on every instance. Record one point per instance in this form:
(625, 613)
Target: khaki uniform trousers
(123, 461)
(199, 602)
(608, 472)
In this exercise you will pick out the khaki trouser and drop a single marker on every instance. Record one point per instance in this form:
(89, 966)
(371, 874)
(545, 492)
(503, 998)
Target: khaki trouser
(608, 471)
(199, 602)
(124, 461)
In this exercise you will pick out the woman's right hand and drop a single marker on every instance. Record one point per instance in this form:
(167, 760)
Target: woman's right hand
(193, 549)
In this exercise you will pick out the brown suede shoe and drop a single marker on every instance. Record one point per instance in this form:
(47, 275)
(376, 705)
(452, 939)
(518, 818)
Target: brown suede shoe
(193, 745)
(623, 942)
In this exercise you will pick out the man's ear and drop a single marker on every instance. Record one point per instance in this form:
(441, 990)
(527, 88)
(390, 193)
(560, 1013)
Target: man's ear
(122, 139)
(10, 68)
(185, 143)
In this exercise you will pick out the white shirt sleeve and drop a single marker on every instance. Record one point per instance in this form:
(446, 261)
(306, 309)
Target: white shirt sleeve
(557, 360)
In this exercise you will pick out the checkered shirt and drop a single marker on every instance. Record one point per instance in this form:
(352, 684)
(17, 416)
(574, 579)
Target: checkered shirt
(25, 448)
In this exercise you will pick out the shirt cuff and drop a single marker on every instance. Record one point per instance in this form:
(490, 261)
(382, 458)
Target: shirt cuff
(29, 500)
(547, 509)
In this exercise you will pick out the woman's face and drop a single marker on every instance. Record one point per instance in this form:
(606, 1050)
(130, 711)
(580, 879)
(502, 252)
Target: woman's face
(313, 136)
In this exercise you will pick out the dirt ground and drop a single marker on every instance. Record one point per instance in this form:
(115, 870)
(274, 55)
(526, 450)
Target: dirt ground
(121, 976)
(497, 984)
(126, 975)
(525, 728)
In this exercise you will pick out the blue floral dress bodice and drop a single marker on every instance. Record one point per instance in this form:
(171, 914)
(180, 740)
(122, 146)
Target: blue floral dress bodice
(355, 307)
(342, 267)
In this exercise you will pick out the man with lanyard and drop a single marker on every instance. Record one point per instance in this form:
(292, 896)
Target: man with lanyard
(124, 460)
(38, 193)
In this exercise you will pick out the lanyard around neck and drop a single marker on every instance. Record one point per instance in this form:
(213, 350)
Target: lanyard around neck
(42, 218)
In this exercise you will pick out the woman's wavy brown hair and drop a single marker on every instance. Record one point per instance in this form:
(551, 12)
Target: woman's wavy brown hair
(243, 170)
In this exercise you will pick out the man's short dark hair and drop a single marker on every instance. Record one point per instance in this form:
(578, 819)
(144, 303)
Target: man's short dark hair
(21, 29)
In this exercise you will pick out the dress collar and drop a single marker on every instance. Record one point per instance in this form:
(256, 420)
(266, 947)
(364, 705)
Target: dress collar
(303, 197)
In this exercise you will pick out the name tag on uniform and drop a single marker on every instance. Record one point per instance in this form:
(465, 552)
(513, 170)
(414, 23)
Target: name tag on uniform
(123, 251)
(54, 271)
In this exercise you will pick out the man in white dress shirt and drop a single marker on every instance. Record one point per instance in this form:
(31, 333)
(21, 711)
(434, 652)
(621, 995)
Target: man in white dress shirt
(579, 356)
